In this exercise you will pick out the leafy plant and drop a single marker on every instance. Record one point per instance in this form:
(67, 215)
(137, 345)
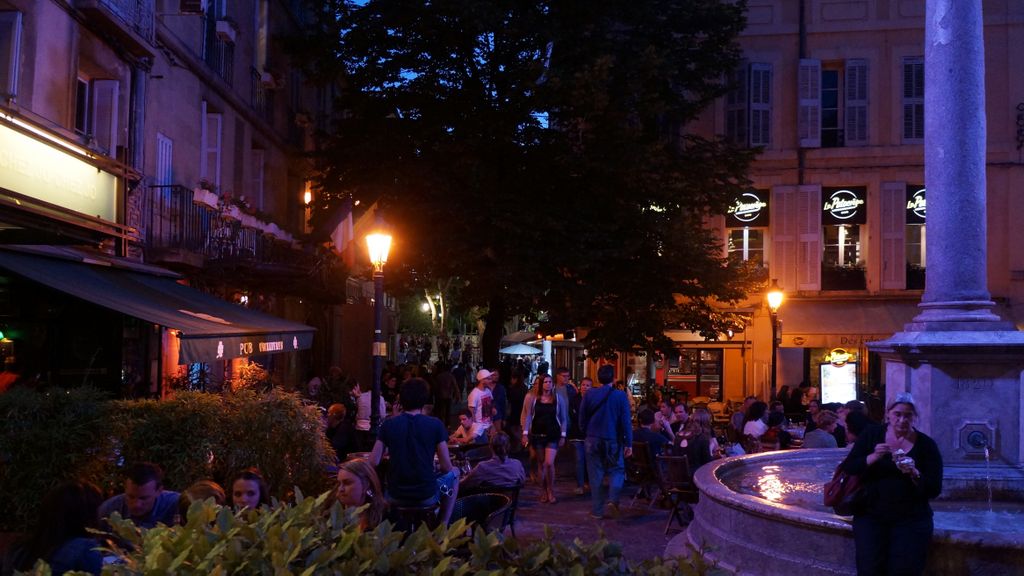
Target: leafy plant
(304, 538)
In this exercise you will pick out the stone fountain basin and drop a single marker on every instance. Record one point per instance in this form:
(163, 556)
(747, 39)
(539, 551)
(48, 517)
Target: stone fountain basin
(762, 514)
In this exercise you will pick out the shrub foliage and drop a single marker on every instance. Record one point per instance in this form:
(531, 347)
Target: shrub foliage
(53, 436)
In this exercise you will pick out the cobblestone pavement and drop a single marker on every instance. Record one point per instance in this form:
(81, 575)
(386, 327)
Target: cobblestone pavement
(640, 528)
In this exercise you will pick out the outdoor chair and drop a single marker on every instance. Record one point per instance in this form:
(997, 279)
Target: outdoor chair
(408, 518)
(640, 471)
(487, 510)
(509, 520)
(678, 487)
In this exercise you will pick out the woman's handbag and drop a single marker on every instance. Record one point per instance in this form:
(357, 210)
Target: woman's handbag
(841, 491)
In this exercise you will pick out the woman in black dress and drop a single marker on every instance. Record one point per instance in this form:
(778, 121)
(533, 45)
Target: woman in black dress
(545, 423)
(901, 470)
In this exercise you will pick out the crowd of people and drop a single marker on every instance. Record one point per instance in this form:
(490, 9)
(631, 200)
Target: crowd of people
(413, 461)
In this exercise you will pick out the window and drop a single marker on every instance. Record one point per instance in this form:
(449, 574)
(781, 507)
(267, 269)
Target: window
(748, 115)
(10, 46)
(915, 236)
(833, 103)
(258, 169)
(747, 244)
(164, 160)
(218, 54)
(82, 106)
(96, 112)
(843, 215)
(209, 165)
(913, 99)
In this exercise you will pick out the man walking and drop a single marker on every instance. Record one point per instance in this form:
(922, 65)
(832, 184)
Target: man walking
(481, 401)
(605, 419)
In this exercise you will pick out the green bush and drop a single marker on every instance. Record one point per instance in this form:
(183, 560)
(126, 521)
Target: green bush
(50, 437)
(45, 439)
(303, 539)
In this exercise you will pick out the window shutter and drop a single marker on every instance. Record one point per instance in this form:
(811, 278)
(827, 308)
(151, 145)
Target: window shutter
(894, 225)
(760, 104)
(809, 97)
(209, 165)
(258, 169)
(164, 160)
(104, 114)
(735, 107)
(10, 47)
(856, 102)
(783, 262)
(808, 225)
(913, 99)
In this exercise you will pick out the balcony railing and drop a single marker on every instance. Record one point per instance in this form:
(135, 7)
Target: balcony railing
(123, 18)
(180, 229)
(218, 54)
(262, 96)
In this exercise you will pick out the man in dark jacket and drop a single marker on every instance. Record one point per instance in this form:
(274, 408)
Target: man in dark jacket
(605, 419)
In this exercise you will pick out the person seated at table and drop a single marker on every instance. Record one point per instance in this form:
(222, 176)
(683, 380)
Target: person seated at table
(412, 439)
(249, 489)
(821, 436)
(813, 408)
(698, 440)
(340, 432)
(650, 431)
(679, 418)
(499, 472)
(753, 421)
(358, 485)
(776, 433)
(144, 501)
(198, 492)
(856, 422)
(62, 534)
(468, 432)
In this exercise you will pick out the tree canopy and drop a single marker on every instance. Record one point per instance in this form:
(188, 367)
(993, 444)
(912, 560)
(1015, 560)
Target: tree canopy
(541, 154)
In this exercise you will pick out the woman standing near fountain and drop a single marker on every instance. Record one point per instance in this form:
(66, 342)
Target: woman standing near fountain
(901, 470)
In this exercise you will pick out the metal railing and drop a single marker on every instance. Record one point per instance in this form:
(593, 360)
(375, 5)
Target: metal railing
(175, 222)
(136, 15)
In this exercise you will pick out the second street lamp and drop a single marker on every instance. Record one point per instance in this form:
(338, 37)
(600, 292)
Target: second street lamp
(775, 297)
(377, 244)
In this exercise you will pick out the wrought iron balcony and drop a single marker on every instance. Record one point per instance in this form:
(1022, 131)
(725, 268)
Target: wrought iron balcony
(130, 21)
(183, 231)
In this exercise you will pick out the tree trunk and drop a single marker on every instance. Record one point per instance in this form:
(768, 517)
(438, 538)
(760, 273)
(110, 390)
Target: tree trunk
(490, 340)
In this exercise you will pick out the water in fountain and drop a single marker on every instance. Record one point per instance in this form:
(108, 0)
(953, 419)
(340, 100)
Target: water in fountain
(799, 484)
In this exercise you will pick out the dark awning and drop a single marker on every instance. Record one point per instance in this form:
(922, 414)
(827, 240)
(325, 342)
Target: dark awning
(835, 323)
(209, 328)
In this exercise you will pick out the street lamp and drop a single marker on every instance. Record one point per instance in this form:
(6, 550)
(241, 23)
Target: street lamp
(775, 297)
(377, 244)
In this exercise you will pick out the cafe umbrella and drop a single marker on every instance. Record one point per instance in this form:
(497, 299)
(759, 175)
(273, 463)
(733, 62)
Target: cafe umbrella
(520, 350)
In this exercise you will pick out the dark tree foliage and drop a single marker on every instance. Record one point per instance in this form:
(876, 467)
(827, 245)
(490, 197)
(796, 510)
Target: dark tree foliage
(538, 151)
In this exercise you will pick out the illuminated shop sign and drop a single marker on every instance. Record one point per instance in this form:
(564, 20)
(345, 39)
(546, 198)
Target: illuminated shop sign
(45, 172)
(915, 204)
(844, 205)
(748, 209)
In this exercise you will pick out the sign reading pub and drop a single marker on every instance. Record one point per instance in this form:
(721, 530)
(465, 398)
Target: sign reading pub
(750, 208)
(844, 205)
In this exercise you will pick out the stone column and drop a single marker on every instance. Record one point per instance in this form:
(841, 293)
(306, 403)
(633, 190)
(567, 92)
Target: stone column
(954, 105)
(963, 365)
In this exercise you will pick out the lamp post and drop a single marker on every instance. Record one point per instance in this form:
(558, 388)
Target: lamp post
(377, 244)
(775, 297)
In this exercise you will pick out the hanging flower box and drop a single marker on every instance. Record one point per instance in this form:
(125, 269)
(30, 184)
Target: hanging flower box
(205, 197)
(232, 213)
(250, 221)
